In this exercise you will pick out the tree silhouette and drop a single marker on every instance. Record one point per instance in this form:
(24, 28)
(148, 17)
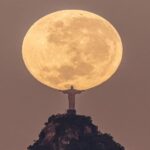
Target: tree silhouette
(73, 132)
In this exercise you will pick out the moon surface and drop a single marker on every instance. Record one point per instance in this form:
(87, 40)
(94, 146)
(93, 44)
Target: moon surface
(72, 48)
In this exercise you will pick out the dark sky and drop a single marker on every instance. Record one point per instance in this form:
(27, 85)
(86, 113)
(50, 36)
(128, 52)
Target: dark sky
(121, 106)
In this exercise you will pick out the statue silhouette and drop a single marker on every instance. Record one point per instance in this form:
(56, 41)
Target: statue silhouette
(71, 96)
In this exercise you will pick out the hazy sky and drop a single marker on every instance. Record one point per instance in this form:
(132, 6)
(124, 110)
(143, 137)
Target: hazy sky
(121, 106)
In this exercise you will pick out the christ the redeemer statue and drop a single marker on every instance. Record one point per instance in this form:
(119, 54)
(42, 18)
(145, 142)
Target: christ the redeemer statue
(71, 97)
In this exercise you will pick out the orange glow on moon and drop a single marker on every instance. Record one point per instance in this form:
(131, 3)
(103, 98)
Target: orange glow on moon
(72, 47)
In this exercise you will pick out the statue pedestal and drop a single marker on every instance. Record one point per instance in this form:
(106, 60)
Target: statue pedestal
(71, 111)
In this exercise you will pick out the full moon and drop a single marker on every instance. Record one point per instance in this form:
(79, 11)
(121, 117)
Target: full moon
(72, 48)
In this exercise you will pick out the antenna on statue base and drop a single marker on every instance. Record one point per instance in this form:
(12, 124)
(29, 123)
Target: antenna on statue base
(71, 98)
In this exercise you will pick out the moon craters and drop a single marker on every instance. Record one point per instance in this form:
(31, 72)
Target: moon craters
(72, 47)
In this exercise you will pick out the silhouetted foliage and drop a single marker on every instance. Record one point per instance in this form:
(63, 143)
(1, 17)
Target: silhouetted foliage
(73, 132)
